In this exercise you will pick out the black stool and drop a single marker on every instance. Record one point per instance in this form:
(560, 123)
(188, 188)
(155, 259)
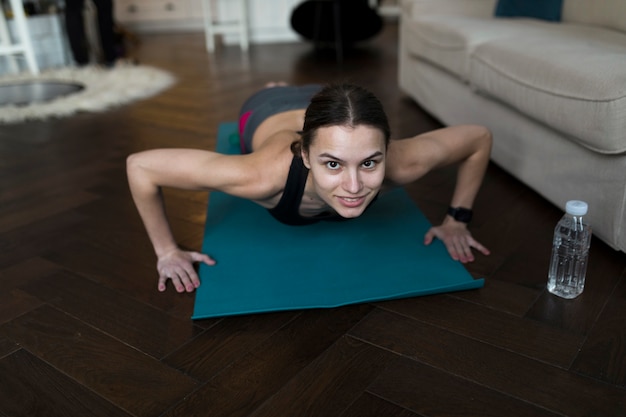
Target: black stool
(336, 22)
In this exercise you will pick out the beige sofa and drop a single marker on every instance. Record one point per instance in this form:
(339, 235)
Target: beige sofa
(553, 94)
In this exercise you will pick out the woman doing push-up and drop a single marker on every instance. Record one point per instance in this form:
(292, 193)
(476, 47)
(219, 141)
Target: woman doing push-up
(309, 154)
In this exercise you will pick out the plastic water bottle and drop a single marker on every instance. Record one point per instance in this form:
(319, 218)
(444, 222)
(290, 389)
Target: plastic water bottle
(570, 249)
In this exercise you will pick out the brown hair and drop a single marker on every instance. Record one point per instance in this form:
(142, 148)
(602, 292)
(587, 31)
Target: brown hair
(341, 105)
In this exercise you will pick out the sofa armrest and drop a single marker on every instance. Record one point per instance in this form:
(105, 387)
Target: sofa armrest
(476, 8)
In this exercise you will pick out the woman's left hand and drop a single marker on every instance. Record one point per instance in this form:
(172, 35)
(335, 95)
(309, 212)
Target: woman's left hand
(457, 239)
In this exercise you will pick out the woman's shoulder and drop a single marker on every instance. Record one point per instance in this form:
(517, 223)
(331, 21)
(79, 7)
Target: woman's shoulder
(269, 168)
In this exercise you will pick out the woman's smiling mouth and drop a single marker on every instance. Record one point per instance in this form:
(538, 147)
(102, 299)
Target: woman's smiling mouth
(351, 202)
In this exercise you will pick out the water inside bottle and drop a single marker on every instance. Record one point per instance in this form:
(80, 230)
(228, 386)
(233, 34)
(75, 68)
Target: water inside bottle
(568, 266)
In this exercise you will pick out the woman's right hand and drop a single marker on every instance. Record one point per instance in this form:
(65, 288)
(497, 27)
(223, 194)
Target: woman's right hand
(178, 266)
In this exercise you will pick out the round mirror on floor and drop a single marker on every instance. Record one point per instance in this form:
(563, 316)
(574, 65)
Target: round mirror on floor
(29, 92)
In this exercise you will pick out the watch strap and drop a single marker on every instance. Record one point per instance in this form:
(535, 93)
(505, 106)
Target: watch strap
(460, 214)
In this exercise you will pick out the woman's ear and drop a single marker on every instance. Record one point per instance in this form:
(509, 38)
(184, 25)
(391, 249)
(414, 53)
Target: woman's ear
(305, 158)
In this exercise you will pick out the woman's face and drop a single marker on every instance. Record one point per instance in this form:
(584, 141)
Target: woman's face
(347, 167)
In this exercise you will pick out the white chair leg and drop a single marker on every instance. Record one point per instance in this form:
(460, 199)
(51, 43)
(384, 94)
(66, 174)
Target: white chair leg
(212, 26)
(243, 25)
(208, 25)
(5, 40)
(24, 35)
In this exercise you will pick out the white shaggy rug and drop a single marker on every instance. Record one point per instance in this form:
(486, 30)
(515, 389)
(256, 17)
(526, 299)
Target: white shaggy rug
(103, 88)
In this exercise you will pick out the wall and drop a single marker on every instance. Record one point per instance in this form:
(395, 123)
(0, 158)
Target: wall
(269, 20)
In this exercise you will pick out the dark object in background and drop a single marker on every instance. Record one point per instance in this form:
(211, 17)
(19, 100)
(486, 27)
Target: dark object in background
(336, 22)
(75, 25)
(30, 8)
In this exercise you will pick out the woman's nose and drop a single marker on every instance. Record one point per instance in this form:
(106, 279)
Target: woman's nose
(352, 182)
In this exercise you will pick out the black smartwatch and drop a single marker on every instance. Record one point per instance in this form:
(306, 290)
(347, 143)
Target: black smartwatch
(460, 214)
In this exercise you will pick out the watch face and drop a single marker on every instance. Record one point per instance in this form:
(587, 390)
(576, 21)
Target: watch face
(463, 215)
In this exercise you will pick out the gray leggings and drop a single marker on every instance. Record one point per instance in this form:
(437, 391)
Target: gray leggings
(268, 102)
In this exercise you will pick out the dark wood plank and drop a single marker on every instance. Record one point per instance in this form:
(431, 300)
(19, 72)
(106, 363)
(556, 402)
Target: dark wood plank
(531, 338)
(527, 217)
(330, 383)
(52, 204)
(7, 347)
(23, 243)
(14, 303)
(502, 296)
(31, 387)
(26, 271)
(603, 355)
(225, 342)
(145, 328)
(257, 375)
(418, 388)
(130, 379)
(368, 405)
(495, 368)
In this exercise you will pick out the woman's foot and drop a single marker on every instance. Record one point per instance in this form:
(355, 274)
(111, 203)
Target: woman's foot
(276, 84)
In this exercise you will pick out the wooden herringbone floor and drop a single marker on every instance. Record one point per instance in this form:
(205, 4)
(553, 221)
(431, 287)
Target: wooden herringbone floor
(83, 331)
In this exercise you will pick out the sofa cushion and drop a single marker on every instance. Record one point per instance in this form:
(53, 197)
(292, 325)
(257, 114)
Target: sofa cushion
(606, 13)
(571, 77)
(447, 41)
(539, 9)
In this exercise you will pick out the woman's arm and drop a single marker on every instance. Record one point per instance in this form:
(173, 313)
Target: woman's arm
(468, 146)
(188, 169)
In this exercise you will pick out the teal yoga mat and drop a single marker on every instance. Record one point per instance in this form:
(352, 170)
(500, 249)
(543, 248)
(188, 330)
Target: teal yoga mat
(263, 265)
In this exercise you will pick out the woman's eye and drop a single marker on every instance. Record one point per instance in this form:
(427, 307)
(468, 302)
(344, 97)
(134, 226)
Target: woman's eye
(369, 164)
(332, 164)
